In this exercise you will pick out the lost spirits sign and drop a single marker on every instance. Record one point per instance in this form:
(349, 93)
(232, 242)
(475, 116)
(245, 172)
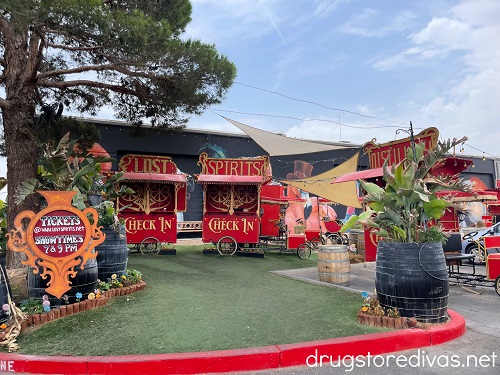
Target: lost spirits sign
(147, 164)
(58, 240)
(233, 167)
(395, 151)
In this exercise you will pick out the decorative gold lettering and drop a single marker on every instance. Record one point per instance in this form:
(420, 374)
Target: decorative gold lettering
(247, 225)
(218, 225)
(165, 224)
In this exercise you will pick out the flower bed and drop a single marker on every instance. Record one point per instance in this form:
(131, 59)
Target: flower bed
(386, 321)
(75, 308)
(372, 314)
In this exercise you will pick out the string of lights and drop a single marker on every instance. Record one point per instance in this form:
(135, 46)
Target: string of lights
(320, 105)
(333, 161)
(279, 179)
(484, 153)
(346, 124)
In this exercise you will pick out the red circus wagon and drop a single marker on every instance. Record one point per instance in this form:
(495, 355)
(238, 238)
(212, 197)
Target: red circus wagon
(231, 204)
(274, 232)
(150, 213)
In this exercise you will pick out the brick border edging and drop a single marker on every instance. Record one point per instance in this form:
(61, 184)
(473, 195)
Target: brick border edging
(251, 359)
(80, 306)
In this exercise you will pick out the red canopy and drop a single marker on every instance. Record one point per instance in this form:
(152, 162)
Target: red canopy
(275, 194)
(155, 177)
(359, 175)
(229, 179)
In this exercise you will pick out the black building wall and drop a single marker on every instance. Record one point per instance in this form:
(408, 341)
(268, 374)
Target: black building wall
(185, 147)
(119, 138)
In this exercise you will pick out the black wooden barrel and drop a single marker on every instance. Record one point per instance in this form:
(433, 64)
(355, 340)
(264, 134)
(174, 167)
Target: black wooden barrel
(84, 282)
(4, 294)
(112, 254)
(414, 278)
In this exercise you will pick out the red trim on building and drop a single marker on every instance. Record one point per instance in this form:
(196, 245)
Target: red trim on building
(155, 177)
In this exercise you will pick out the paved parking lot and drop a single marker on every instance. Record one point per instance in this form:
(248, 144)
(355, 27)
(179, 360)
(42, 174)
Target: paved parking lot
(476, 352)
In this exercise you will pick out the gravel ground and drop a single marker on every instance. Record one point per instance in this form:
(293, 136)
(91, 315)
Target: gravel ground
(189, 241)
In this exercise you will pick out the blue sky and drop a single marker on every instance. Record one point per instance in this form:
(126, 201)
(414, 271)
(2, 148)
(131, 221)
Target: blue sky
(432, 62)
(376, 65)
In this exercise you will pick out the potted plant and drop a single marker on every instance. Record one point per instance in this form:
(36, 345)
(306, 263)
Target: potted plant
(95, 194)
(411, 273)
(62, 166)
(112, 254)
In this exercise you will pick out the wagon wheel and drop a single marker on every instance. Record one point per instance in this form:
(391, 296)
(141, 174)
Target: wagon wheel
(159, 193)
(246, 194)
(316, 241)
(221, 194)
(335, 239)
(303, 251)
(227, 245)
(497, 285)
(150, 245)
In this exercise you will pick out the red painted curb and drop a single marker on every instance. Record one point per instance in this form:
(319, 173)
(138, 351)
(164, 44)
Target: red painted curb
(454, 329)
(251, 359)
(335, 349)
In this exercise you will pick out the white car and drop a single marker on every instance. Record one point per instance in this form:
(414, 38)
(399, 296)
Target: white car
(470, 244)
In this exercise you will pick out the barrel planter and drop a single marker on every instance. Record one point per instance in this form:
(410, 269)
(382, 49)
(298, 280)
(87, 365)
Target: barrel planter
(333, 264)
(413, 277)
(112, 254)
(84, 282)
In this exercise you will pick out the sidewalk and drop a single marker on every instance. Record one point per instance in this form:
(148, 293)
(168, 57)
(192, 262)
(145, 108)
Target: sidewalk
(251, 359)
(362, 278)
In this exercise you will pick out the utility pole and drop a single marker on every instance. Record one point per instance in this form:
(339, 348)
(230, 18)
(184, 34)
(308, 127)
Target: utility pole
(412, 142)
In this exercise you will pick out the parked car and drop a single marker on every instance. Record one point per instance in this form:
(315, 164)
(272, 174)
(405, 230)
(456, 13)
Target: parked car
(470, 242)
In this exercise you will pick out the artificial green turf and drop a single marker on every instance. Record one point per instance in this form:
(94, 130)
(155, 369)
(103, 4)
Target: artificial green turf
(196, 302)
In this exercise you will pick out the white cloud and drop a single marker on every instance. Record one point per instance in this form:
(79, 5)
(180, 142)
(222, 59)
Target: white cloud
(374, 24)
(468, 38)
(444, 32)
(229, 20)
(324, 8)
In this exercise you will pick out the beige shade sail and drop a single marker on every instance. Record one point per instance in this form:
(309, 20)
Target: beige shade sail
(345, 193)
(280, 145)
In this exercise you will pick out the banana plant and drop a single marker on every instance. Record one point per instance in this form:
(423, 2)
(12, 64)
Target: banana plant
(404, 208)
(64, 167)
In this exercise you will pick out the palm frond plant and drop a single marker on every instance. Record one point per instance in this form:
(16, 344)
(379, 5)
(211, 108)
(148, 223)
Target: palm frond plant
(63, 166)
(411, 273)
(407, 208)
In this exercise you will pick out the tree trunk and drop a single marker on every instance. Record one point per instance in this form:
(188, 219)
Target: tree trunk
(19, 130)
(22, 151)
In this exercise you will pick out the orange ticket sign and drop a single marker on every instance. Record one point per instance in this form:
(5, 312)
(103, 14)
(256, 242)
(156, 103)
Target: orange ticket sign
(56, 240)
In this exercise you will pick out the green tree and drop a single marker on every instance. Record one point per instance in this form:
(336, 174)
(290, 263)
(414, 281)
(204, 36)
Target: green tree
(85, 54)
